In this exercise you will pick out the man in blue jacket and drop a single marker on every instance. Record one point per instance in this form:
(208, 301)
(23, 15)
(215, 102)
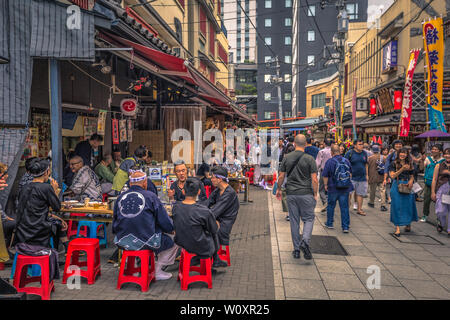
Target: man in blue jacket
(140, 222)
(85, 149)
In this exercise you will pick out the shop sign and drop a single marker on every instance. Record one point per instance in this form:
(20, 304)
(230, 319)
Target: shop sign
(128, 107)
(362, 104)
(390, 56)
(115, 131)
(154, 173)
(385, 99)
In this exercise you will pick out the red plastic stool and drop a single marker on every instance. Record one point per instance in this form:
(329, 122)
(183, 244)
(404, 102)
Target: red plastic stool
(147, 273)
(2, 266)
(72, 226)
(21, 278)
(224, 254)
(185, 267)
(92, 248)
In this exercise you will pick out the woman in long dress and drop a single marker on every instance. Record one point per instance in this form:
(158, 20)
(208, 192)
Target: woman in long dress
(440, 187)
(403, 205)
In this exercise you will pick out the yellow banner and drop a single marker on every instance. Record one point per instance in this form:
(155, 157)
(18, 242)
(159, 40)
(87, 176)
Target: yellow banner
(433, 36)
(342, 113)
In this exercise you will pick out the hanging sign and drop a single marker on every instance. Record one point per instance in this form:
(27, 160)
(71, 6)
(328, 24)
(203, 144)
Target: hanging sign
(433, 36)
(123, 130)
(405, 119)
(390, 56)
(101, 122)
(115, 131)
(128, 107)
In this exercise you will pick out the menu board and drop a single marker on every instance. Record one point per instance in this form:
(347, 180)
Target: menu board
(89, 127)
(42, 123)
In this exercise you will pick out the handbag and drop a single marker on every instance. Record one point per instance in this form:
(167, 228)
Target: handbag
(445, 199)
(403, 188)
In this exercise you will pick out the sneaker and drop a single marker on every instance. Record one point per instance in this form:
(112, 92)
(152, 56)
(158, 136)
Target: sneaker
(423, 219)
(162, 275)
(287, 218)
(306, 251)
(383, 208)
(296, 254)
(324, 209)
(329, 227)
(345, 231)
(219, 264)
(371, 205)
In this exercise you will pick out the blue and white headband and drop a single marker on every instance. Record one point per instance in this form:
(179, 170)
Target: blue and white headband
(141, 178)
(221, 177)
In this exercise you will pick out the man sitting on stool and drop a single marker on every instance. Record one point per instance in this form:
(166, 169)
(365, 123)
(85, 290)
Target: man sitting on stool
(224, 203)
(195, 225)
(140, 222)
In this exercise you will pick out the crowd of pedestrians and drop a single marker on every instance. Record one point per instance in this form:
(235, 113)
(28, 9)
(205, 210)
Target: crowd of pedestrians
(340, 174)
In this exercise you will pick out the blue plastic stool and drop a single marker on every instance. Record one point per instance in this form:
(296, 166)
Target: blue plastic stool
(34, 270)
(93, 226)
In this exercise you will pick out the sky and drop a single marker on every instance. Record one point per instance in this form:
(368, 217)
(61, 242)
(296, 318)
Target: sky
(376, 7)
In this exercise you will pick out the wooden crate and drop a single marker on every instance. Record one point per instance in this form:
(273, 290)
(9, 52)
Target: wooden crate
(153, 139)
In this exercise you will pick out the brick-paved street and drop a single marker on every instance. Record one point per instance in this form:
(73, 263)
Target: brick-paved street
(250, 275)
(408, 270)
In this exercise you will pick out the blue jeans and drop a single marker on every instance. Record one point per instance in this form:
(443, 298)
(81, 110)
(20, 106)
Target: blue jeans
(333, 197)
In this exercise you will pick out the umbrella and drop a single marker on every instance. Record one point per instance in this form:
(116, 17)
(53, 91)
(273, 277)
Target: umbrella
(434, 134)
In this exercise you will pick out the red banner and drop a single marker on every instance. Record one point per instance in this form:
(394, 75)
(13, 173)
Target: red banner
(405, 119)
(115, 131)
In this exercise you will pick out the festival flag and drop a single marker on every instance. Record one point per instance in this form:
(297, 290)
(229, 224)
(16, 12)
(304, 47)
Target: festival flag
(354, 108)
(342, 112)
(433, 36)
(115, 131)
(405, 118)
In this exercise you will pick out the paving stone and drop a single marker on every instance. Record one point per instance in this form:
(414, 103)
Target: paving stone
(436, 267)
(392, 258)
(305, 289)
(391, 293)
(346, 295)
(358, 251)
(363, 262)
(425, 289)
(366, 238)
(300, 271)
(443, 280)
(375, 247)
(419, 254)
(407, 272)
(328, 257)
(386, 278)
(333, 266)
(342, 282)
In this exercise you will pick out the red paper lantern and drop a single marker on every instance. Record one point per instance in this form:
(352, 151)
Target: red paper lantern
(398, 99)
(373, 106)
(374, 139)
(380, 142)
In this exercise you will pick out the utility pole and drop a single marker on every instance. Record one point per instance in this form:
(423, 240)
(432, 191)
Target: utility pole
(280, 104)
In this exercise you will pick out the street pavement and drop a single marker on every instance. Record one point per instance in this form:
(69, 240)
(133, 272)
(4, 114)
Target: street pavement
(414, 266)
(250, 275)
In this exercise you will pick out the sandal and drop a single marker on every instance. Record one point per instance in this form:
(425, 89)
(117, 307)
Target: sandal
(397, 234)
(440, 228)
(408, 229)
(361, 213)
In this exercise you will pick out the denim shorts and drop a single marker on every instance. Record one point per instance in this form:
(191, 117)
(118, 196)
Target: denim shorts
(360, 188)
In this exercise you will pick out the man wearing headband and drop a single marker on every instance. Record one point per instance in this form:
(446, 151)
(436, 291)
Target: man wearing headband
(150, 185)
(140, 222)
(85, 182)
(224, 203)
(121, 177)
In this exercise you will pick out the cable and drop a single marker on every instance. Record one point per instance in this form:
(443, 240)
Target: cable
(87, 74)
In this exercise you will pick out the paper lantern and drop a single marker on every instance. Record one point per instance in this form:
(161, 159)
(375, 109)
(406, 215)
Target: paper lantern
(373, 106)
(380, 142)
(398, 99)
(374, 139)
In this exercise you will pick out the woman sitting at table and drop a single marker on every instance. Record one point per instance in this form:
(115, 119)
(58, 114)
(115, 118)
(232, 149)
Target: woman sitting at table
(35, 225)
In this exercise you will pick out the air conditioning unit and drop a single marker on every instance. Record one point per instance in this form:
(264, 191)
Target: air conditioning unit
(350, 44)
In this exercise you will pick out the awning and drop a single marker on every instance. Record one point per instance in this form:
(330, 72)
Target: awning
(300, 124)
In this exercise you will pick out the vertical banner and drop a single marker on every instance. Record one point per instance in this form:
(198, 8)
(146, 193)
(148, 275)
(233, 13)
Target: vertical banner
(433, 36)
(130, 130)
(354, 108)
(342, 113)
(405, 118)
(115, 131)
(123, 130)
(101, 122)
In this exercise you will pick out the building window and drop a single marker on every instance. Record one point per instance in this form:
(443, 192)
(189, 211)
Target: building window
(268, 23)
(267, 78)
(287, 114)
(288, 22)
(178, 30)
(267, 59)
(268, 40)
(267, 115)
(203, 21)
(287, 77)
(287, 40)
(287, 59)
(318, 100)
(312, 10)
(288, 3)
(287, 96)
(267, 96)
(268, 4)
(311, 60)
(352, 11)
(311, 35)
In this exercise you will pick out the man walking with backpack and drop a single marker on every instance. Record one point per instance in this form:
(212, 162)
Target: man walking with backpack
(430, 163)
(302, 191)
(337, 178)
(358, 160)
(376, 164)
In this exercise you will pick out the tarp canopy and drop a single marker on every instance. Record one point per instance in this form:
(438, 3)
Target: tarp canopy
(300, 124)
